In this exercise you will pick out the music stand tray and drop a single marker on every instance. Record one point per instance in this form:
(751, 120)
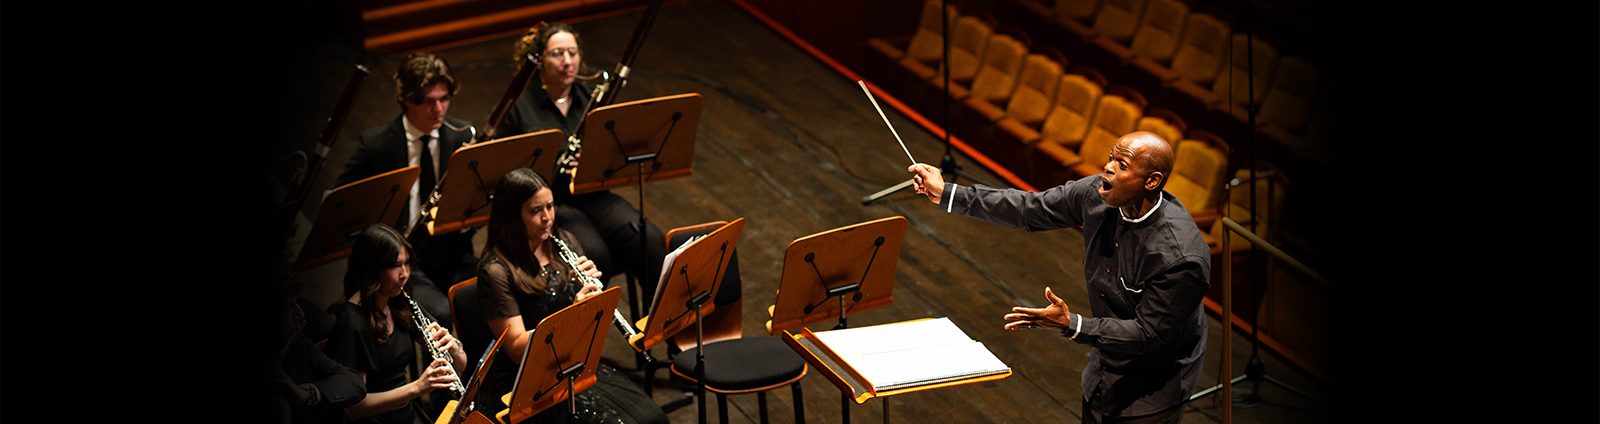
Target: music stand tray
(464, 197)
(690, 278)
(903, 357)
(649, 140)
(352, 207)
(563, 355)
(855, 264)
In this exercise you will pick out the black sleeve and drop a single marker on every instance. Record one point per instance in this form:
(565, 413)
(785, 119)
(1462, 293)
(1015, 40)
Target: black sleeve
(337, 384)
(494, 292)
(360, 164)
(351, 343)
(1059, 207)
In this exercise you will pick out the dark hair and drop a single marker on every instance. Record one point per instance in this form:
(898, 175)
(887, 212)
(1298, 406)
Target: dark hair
(418, 72)
(508, 235)
(537, 40)
(372, 251)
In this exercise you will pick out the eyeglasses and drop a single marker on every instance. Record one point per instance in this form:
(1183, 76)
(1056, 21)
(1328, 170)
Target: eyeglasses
(558, 51)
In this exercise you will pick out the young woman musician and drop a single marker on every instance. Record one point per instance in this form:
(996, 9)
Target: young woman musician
(376, 333)
(607, 225)
(522, 279)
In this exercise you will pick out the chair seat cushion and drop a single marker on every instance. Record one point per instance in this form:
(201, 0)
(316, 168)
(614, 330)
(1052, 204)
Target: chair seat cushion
(744, 364)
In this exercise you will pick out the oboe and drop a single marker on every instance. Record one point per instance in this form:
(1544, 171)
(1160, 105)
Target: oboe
(422, 321)
(572, 260)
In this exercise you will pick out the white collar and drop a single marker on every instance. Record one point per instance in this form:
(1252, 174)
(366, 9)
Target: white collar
(1146, 214)
(412, 133)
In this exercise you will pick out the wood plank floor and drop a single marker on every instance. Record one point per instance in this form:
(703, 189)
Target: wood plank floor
(792, 147)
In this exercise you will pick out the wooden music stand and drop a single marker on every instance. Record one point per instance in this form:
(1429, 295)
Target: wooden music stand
(464, 200)
(855, 264)
(564, 347)
(689, 281)
(453, 412)
(352, 207)
(620, 139)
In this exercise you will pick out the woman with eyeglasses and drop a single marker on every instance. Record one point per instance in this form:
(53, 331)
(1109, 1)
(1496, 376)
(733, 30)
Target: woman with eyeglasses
(603, 223)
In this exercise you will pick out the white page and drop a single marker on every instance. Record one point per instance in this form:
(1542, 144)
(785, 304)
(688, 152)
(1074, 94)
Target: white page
(911, 353)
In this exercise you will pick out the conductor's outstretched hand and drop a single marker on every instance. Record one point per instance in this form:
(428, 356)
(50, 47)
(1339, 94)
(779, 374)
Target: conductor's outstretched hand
(1053, 315)
(927, 180)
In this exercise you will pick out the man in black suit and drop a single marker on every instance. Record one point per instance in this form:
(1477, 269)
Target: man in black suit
(424, 136)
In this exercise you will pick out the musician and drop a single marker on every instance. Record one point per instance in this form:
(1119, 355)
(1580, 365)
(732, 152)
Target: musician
(607, 224)
(1147, 270)
(376, 333)
(522, 280)
(424, 87)
(307, 386)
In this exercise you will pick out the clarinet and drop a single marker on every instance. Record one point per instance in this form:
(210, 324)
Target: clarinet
(422, 321)
(572, 261)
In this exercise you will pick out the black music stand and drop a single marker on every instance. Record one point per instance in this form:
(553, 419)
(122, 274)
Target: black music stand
(689, 280)
(855, 264)
(620, 139)
(352, 207)
(464, 200)
(563, 348)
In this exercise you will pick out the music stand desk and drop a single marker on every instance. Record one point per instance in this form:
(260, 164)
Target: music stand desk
(349, 208)
(464, 197)
(564, 347)
(642, 140)
(854, 263)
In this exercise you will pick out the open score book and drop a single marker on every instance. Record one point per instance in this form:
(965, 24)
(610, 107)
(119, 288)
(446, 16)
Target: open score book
(911, 353)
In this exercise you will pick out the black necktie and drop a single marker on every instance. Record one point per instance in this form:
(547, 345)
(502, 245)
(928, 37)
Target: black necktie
(426, 188)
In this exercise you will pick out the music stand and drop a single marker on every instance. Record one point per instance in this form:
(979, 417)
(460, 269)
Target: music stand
(464, 201)
(453, 412)
(563, 348)
(352, 207)
(689, 280)
(855, 263)
(658, 131)
(618, 140)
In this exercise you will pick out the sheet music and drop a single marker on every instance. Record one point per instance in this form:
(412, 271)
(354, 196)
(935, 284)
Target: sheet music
(915, 353)
(666, 269)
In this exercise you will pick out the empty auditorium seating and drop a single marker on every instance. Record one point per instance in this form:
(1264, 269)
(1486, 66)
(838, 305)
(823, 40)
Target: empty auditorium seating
(1015, 127)
(1198, 56)
(1197, 175)
(1156, 37)
(1287, 103)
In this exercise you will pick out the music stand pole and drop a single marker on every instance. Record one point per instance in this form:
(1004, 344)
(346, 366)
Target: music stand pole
(699, 351)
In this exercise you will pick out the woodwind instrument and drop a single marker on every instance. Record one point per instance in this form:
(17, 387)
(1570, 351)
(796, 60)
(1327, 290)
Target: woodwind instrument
(571, 259)
(300, 182)
(423, 321)
(519, 82)
(574, 145)
(605, 93)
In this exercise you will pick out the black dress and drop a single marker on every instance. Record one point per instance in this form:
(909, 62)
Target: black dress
(613, 399)
(386, 364)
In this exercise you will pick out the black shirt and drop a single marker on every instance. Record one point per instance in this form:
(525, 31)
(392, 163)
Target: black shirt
(1146, 280)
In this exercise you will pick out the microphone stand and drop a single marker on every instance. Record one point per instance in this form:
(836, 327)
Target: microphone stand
(947, 166)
